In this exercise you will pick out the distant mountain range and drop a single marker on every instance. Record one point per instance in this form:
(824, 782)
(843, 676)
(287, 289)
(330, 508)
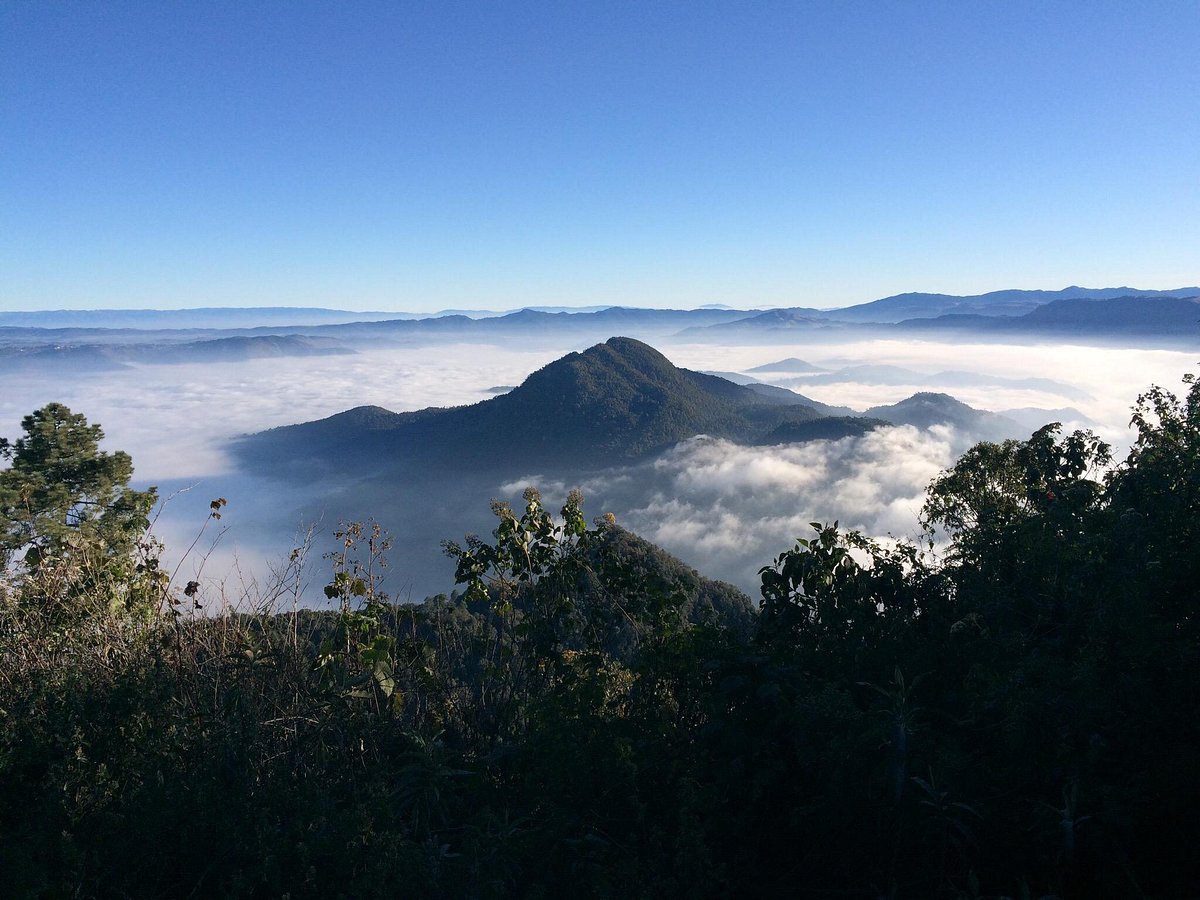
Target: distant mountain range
(225, 317)
(1161, 316)
(887, 310)
(996, 303)
(215, 317)
(615, 403)
(1173, 317)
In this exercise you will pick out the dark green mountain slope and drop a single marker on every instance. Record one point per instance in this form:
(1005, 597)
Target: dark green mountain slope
(778, 394)
(829, 428)
(615, 402)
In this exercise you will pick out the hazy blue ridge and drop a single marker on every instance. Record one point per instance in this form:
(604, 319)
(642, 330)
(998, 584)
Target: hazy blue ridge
(1157, 316)
(994, 303)
(82, 358)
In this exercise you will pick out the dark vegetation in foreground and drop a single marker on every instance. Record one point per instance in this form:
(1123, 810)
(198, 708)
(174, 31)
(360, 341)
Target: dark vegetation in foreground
(1016, 718)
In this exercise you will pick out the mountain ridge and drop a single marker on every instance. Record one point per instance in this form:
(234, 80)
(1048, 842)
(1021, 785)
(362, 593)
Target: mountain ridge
(615, 402)
(1007, 302)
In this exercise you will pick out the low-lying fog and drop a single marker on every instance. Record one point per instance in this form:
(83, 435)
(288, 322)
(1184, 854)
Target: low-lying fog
(725, 509)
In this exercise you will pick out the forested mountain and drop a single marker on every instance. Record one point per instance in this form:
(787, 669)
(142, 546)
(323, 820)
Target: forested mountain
(616, 402)
(828, 428)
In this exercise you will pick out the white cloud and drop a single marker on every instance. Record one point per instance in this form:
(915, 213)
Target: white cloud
(1112, 376)
(728, 510)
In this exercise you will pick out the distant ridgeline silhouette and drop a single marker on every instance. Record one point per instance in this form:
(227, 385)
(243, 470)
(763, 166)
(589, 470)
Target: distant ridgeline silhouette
(1157, 316)
(614, 403)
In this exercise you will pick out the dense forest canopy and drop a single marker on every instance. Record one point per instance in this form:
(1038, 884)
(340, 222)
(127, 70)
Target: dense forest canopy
(1014, 715)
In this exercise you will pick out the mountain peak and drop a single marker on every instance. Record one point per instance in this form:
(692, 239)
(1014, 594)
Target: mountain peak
(614, 402)
(925, 409)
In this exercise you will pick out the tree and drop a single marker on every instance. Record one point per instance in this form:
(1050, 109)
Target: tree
(70, 525)
(1156, 494)
(1045, 485)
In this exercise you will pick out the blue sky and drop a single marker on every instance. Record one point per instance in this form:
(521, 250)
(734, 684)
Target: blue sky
(418, 156)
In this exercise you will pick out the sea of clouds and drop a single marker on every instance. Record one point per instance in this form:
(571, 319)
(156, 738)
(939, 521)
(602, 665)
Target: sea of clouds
(723, 508)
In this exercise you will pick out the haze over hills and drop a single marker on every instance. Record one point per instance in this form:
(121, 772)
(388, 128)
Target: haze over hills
(926, 409)
(1033, 418)
(1164, 317)
(227, 317)
(790, 366)
(1091, 314)
(528, 324)
(1161, 318)
(898, 375)
(83, 358)
(214, 317)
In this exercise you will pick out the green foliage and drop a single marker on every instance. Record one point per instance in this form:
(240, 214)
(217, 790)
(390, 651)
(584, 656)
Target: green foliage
(994, 488)
(73, 534)
(1156, 492)
(61, 486)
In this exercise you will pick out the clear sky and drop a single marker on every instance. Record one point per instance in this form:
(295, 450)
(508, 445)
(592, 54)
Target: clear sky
(417, 156)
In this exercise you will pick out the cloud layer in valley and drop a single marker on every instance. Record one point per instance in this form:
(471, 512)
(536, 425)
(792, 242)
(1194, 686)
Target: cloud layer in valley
(728, 509)
(725, 509)
(1109, 377)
